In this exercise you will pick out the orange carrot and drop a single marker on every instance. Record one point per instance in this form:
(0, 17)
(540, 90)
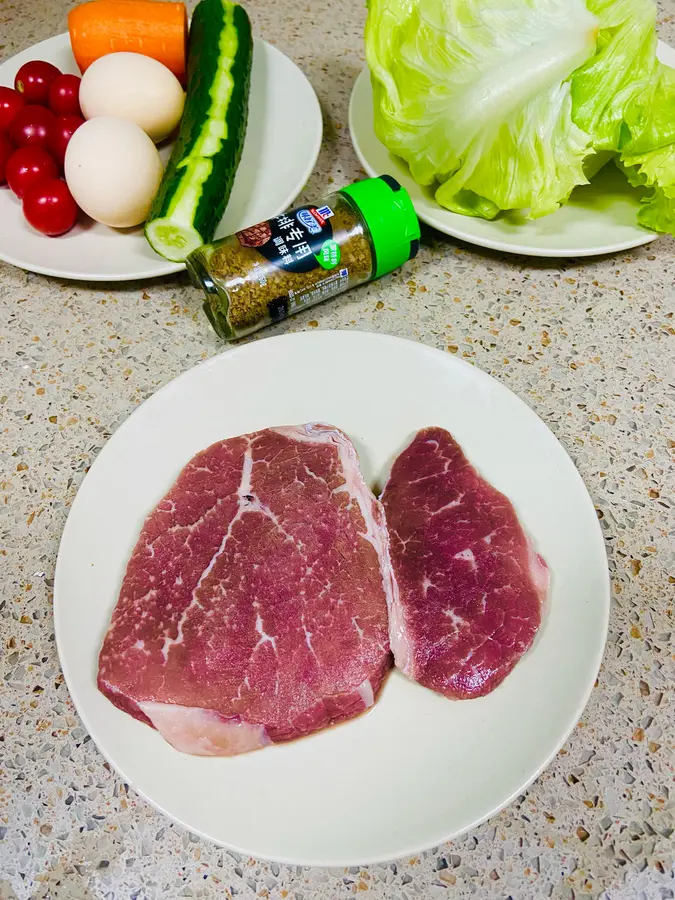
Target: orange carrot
(151, 27)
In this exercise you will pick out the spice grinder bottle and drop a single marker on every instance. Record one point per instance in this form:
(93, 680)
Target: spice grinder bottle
(277, 268)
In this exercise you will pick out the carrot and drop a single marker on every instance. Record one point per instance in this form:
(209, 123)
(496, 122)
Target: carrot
(151, 27)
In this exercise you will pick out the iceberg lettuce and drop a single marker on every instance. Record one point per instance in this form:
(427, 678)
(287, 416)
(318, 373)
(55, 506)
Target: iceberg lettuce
(503, 104)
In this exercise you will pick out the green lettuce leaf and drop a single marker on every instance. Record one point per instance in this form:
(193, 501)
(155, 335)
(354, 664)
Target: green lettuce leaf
(658, 213)
(655, 170)
(474, 95)
(624, 98)
(649, 119)
(624, 64)
(531, 161)
(648, 149)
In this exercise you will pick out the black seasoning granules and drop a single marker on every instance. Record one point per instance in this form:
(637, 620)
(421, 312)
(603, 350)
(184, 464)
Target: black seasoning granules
(274, 269)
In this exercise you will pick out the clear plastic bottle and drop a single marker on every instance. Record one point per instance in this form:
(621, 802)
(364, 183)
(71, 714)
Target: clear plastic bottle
(277, 268)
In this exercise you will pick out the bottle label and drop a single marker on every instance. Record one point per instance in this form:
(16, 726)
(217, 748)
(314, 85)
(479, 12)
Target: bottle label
(333, 284)
(297, 241)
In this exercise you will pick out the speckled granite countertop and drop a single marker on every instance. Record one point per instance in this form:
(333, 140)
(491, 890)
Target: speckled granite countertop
(590, 347)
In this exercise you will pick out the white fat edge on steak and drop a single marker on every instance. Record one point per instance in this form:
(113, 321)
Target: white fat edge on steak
(203, 732)
(540, 572)
(366, 693)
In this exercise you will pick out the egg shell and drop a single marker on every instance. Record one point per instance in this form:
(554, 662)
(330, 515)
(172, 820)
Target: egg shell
(133, 87)
(113, 171)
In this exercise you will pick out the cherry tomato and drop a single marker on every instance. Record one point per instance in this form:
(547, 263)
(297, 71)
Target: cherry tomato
(32, 125)
(64, 93)
(10, 103)
(49, 207)
(34, 79)
(28, 165)
(64, 128)
(6, 153)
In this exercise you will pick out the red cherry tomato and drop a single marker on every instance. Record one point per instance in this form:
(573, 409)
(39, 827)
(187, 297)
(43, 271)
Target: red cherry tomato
(49, 207)
(10, 103)
(64, 128)
(64, 93)
(32, 125)
(33, 80)
(28, 165)
(6, 153)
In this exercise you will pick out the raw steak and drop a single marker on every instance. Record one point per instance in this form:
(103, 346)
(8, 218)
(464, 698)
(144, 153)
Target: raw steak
(254, 606)
(469, 584)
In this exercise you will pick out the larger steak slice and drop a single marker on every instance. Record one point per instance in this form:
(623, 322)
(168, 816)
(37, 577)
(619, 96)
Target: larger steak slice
(254, 606)
(469, 584)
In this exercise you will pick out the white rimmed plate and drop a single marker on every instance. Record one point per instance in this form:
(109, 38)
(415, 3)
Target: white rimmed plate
(599, 218)
(418, 768)
(282, 145)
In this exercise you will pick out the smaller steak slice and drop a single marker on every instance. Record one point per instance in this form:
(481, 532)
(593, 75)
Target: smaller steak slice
(470, 584)
(254, 605)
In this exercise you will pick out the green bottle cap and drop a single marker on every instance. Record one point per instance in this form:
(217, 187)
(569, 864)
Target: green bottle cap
(391, 219)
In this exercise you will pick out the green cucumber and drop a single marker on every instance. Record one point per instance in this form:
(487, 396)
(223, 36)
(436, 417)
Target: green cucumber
(198, 179)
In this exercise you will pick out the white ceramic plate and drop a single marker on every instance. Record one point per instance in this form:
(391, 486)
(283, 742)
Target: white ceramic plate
(599, 218)
(282, 144)
(418, 768)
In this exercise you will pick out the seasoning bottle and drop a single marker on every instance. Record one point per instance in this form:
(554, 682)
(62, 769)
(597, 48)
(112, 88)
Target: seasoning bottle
(277, 268)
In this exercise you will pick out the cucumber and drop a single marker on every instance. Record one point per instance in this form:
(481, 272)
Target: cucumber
(198, 179)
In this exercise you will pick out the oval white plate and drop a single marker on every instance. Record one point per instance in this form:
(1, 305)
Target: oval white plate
(282, 144)
(418, 768)
(599, 218)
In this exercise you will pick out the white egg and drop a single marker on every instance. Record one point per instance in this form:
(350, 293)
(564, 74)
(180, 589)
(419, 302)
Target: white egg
(133, 87)
(113, 171)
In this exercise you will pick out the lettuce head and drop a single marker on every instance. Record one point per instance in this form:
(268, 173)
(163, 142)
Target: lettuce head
(505, 104)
